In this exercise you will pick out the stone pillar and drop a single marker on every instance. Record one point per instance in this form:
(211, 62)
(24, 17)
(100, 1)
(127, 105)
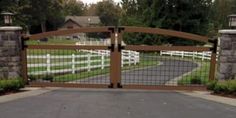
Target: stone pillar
(227, 55)
(10, 52)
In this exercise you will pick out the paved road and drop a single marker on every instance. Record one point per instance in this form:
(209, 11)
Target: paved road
(154, 75)
(74, 103)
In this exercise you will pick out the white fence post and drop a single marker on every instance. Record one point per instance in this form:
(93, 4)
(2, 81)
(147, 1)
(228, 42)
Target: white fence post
(171, 53)
(182, 54)
(203, 56)
(193, 55)
(48, 63)
(129, 57)
(103, 61)
(89, 61)
(122, 59)
(73, 63)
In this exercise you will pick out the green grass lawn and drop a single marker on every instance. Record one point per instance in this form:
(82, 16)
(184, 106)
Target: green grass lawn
(52, 41)
(199, 76)
(83, 75)
(95, 72)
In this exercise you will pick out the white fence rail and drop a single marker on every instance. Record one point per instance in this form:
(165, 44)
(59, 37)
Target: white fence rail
(87, 60)
(194, 55)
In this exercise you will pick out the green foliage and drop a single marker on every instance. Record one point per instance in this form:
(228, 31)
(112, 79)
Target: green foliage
(32, 77)
(11, 85)
(196, 80)
(199, 76)
(223, 87)
(204, 17)
(180, 15)
(72, 7)
(108, 12)
(48, 78)
(211, 85)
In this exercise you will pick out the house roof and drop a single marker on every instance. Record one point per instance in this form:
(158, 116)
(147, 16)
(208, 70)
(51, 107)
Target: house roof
(84, 20)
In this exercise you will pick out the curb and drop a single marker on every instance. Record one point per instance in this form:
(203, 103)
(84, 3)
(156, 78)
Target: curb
(30, 91)
(208, 96)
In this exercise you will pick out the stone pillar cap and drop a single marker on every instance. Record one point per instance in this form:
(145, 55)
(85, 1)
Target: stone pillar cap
(228, 31)
(10, 28)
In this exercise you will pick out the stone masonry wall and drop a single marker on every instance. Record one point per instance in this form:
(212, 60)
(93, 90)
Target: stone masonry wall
(10, 47)
(227, 55)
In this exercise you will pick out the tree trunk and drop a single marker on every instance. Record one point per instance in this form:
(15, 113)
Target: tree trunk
(43, 26)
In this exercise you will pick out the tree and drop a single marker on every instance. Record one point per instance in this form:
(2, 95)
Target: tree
(73, 7)
(108, 12)
(188, 16)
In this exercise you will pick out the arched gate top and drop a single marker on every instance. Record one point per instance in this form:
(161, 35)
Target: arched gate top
(165, 32)
(159, 31)
(69, 31)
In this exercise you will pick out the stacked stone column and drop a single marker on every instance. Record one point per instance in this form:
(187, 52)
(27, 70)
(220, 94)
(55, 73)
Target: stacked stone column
(10, 52)
(227, 55)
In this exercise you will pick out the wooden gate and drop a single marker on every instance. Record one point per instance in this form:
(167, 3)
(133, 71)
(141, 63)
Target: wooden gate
(117, 64)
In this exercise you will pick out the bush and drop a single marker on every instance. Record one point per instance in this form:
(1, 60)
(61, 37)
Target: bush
(232, 87)
(32, 77)
(196, 80)
(211, 85)
(48, 78)
(11, 85)
(223, 87)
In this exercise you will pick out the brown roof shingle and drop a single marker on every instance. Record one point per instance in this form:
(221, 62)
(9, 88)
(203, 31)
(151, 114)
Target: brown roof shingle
(84, 20)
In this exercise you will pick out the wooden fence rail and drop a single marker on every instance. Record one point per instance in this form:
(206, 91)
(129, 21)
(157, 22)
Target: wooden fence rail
(206, 55)
(88, 61)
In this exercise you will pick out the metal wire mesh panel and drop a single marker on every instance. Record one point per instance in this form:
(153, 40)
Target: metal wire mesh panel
(68, 66)
(168, 68)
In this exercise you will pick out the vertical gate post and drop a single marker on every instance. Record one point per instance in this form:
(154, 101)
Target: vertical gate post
(113, 59)
(213, 59)
(227, 55)
(10, 52)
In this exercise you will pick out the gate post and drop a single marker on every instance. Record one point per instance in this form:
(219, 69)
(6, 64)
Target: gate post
(10, 52)
(227, 55)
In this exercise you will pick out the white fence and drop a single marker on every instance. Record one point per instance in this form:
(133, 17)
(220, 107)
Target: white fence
(100, 58)
(194, 55)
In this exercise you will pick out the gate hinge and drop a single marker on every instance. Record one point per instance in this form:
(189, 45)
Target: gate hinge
(111, 85)
(119, 85)
(215, 43)
(121, 29)
(112, 47)
(120, 47)
(112, 29)
(23, 40)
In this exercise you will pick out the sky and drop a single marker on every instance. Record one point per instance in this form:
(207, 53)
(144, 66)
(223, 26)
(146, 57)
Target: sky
(95, 1)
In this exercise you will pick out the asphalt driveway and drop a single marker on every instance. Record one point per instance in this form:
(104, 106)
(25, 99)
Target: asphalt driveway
(152, 75)
(76, 103)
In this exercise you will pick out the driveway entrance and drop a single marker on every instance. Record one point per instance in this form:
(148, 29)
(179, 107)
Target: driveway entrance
(117, 64)
(75, 103)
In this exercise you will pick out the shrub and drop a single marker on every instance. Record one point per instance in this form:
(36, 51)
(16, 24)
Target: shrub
(11, 85)
(232, 87)
(211, 85)
(48, 78)
(196, 80)
(223, 87)
(32, 77)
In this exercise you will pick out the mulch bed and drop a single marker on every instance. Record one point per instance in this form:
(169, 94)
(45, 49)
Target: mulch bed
(225, 95)
(11, 92)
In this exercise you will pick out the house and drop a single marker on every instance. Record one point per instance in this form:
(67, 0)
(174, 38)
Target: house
(72, 22)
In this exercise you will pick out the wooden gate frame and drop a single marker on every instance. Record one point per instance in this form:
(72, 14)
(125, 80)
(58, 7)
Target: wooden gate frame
(110, 30)
(187, 36)
(115, 63)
